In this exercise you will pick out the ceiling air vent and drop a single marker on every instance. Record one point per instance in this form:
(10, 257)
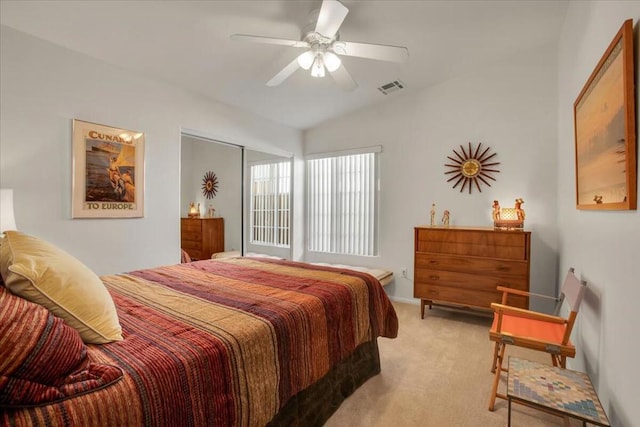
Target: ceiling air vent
(393, 86)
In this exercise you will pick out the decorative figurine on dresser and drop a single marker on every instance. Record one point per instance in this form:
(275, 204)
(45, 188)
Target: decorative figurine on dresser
(194, 212)
(496, 211)
(445, 219)
(519, 210)
(508, 218)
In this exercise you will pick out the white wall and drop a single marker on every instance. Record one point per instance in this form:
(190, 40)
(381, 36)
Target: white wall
(601, 245)
(510, 107)
(201, 156)
(43, 87)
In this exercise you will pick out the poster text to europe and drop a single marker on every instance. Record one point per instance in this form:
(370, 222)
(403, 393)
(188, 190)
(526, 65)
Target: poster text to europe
(108, 205)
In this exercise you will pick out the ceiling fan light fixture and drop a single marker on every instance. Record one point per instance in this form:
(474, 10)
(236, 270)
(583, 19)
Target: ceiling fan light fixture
(305, 60)
(317, 70)
(323, 49)
(331, 61)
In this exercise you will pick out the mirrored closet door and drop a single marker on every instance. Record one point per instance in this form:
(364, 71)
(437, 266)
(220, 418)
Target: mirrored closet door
(234, 200)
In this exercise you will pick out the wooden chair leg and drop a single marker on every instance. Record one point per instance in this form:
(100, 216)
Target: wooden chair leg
(496, 380)
(559, 361)
(495, 357)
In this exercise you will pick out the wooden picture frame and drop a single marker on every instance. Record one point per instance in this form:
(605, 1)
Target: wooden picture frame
(605, 130)
(108, 172)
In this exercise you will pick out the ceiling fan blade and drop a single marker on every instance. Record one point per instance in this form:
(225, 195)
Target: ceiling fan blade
(284, 73)
(331, 15)
(344, 79)
(269, 40)
(372, 51)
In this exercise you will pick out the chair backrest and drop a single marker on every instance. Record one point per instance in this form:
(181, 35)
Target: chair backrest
(572, 291)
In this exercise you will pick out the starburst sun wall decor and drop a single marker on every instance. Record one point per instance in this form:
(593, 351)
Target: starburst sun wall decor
(471, 167)
(209, 185)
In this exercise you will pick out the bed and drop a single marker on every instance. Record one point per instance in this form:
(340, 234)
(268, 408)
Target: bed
(229, 342)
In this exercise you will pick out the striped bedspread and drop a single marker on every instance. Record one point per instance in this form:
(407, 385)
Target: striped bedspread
(223, 342)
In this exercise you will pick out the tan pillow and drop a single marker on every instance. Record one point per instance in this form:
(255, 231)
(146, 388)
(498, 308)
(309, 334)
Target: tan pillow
(44, 274)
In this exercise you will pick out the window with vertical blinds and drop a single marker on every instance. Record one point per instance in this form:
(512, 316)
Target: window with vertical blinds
(342, 203)
(271, 204)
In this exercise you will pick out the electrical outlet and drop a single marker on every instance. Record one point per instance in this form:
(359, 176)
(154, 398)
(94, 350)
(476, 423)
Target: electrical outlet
(404, 273)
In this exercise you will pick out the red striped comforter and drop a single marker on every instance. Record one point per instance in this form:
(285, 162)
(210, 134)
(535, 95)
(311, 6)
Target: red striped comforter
(223, 342)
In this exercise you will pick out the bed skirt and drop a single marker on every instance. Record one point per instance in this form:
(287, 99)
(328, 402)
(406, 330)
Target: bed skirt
(314, 405)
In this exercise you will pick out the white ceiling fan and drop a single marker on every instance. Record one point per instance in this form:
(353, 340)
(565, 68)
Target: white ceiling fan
(324, 48)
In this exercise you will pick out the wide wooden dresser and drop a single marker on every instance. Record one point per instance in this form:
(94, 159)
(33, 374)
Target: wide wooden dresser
(463, 266)
(202, 237)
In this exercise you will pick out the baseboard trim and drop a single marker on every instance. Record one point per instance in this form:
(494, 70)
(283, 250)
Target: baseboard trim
(412, 301)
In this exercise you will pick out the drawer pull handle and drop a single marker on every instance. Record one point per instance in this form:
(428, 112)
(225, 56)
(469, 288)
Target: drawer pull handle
(503, 268)
(433, 292)
(434, 277)
(433, 261)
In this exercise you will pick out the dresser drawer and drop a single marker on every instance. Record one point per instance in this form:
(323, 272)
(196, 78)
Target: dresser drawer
(190, 225)
(191, 236)
(470, 236)
(191, 245)
(473, 265)
(489, 243)
(466, 297)
(475, 282)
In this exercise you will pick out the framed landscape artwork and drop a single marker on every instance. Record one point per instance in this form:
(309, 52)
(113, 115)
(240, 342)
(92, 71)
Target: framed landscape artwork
(108, 172)
(605, 131)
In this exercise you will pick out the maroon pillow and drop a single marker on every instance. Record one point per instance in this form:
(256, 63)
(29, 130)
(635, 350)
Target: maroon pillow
(42, 359)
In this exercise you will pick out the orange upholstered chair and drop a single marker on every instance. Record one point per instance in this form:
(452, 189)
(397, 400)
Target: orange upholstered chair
(530, 329)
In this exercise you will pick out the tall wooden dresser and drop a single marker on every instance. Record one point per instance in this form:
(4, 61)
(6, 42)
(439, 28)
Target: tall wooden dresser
(201, 237)
(462, 266)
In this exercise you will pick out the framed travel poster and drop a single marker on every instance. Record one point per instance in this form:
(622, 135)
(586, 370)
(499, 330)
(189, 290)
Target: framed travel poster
(108, 172)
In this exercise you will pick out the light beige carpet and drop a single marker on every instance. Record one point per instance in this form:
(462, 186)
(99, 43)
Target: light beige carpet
(437, 373)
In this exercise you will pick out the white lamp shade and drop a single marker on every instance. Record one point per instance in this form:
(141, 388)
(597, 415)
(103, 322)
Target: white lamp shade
(7, 218)
(305, 60)
(331, 61)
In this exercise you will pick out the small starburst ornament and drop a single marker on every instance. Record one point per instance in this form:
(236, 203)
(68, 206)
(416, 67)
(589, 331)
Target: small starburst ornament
(209, 185)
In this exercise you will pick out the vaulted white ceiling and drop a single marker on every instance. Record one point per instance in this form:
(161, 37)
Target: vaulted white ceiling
(187, 44)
